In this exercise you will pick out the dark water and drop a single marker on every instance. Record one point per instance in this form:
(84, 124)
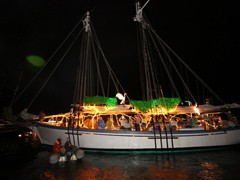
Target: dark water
(218, 164)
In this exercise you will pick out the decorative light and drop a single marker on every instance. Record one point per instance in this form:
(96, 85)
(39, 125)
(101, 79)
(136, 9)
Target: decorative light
(196, 109)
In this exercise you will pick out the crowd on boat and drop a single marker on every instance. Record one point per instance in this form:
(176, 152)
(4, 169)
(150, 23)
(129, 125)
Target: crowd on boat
(140, 122)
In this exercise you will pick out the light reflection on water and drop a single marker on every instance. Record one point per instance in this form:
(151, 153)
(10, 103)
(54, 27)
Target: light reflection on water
(201, 165)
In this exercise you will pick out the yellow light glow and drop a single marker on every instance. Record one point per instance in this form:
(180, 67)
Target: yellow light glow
(196, 110)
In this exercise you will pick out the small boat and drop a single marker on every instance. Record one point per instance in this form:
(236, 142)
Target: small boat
(166, 119)
(16, 139)
(73, 155)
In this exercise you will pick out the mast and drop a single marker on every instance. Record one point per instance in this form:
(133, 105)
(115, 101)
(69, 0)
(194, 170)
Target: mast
(83, 80)
(148, 80)
(93, 67)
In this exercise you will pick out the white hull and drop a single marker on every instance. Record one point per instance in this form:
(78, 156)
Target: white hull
(138, 140)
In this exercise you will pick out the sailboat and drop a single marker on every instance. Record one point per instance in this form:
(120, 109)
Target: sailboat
(102, 117)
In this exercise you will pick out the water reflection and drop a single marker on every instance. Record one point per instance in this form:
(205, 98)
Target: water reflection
(208, 165)
(210, 170)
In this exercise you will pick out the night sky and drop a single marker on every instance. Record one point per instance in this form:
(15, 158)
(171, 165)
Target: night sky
(204, 35)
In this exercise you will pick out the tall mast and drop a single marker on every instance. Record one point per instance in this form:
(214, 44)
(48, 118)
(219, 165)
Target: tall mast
(146, 68)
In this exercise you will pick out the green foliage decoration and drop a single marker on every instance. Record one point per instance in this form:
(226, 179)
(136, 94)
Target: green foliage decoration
(144, 106)
(99, 100)
(168, 103)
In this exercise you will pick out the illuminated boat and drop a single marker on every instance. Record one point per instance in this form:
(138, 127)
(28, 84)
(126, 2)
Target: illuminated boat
(83, 130)
(168, 122)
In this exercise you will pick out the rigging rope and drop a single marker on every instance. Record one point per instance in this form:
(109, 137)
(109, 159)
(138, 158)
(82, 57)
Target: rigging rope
(151, 32)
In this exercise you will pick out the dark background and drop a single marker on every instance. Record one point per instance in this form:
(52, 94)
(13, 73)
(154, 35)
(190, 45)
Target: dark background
(204, 35)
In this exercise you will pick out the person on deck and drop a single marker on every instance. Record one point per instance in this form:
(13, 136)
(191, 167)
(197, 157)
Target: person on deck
(41, 116)
(173, 125)
(138, 122)
(57, 146)
(124, 123)
(101, 123)
(153, 124)
(109, 123)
